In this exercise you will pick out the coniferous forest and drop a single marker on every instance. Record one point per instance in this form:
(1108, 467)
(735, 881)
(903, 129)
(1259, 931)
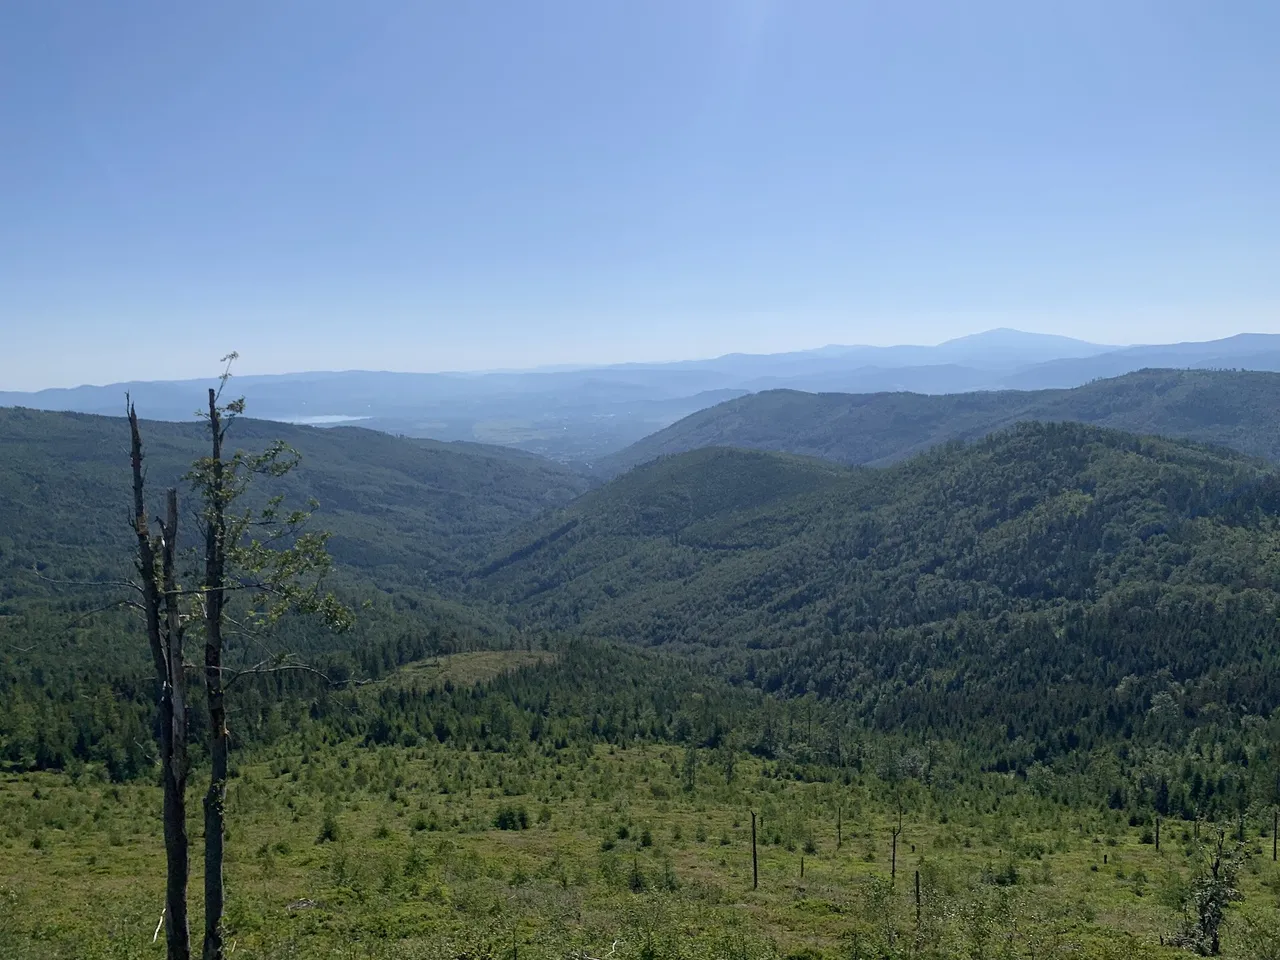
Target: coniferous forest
(1016, 695)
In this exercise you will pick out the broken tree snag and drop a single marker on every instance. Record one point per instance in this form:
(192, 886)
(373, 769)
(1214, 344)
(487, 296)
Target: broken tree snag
(893, 857)
(160, 603)
(755, 866)
(178, 934)
(917, 901)
(215, 562)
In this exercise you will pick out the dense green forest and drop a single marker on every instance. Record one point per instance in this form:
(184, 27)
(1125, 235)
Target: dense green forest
(407, 511)
(1049, 589)
(962, 696)
(1230, 408)
(408, 518)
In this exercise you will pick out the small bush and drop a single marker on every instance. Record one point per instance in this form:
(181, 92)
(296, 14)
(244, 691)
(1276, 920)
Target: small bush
(330, 832)
(637, 882)
(512, 818)
(1004, 876)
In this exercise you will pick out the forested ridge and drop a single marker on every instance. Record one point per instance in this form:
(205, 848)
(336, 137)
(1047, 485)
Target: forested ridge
(408, 518)
(1231, 408)
(413, 512)
(1035, 589)
(1034, 592)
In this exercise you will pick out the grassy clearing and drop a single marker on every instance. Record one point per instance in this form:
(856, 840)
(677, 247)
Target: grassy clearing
(347, 851)
(465, 669)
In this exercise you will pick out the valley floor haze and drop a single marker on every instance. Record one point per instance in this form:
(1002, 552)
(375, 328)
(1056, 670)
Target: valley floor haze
(928, 609)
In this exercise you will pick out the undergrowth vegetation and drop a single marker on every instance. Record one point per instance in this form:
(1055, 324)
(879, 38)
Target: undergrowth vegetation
(527, 825)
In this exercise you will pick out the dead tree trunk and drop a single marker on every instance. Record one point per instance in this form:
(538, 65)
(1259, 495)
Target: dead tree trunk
(160, 595)
(215, 800)
(893, 858)
(179, 934)
(917, 903)
(755, 865)
(290, 580)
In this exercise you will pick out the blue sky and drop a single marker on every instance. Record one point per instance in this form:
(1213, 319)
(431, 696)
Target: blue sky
(424, 186)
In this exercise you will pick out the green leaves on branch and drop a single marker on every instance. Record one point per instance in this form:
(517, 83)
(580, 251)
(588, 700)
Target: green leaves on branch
(270, 555)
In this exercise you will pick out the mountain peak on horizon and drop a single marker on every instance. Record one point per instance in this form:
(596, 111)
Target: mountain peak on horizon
(1010, 336)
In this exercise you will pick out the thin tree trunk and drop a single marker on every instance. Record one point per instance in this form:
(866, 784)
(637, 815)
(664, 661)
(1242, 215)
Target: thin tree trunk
(178, 932)
(215, 800)
(893, 861)
(755, 867)
(166, 651)
(917, 903)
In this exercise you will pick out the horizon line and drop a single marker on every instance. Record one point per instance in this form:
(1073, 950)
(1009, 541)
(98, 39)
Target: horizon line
(605, 365)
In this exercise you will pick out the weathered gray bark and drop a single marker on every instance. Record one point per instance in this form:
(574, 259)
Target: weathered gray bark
(214, 597)
(893, 861)
(175, 818)
(160, 594)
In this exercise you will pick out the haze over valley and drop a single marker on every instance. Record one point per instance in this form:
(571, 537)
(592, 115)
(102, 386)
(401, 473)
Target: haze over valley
(584, 415)
(735, 480)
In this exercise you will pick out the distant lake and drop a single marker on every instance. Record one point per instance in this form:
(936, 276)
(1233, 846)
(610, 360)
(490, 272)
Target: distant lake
(326, 420)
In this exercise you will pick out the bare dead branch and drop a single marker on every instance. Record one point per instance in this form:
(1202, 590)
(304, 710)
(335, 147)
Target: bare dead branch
(123, 602)
(267, 667)
(123, 584)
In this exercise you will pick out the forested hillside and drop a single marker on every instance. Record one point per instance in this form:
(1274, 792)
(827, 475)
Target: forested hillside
(408, 517)
(1231, 408)
(1041, 589)
(402, 510)
(1001, 666)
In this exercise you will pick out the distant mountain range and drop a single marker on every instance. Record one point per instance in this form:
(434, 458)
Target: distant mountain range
(586, 414)
(1236, 409)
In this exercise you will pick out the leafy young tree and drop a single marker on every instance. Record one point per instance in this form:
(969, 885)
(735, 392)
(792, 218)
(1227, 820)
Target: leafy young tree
(1212, 889)
(259, 564)
(689, 769)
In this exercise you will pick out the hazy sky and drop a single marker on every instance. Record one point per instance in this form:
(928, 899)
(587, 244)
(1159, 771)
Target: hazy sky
(428, 185)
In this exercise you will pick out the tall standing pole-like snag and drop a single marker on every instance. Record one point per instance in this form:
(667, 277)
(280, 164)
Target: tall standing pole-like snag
(160, 603)
(893, 861)
(755, 866)
(215, 801)
(270, 561)
(917, 903)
